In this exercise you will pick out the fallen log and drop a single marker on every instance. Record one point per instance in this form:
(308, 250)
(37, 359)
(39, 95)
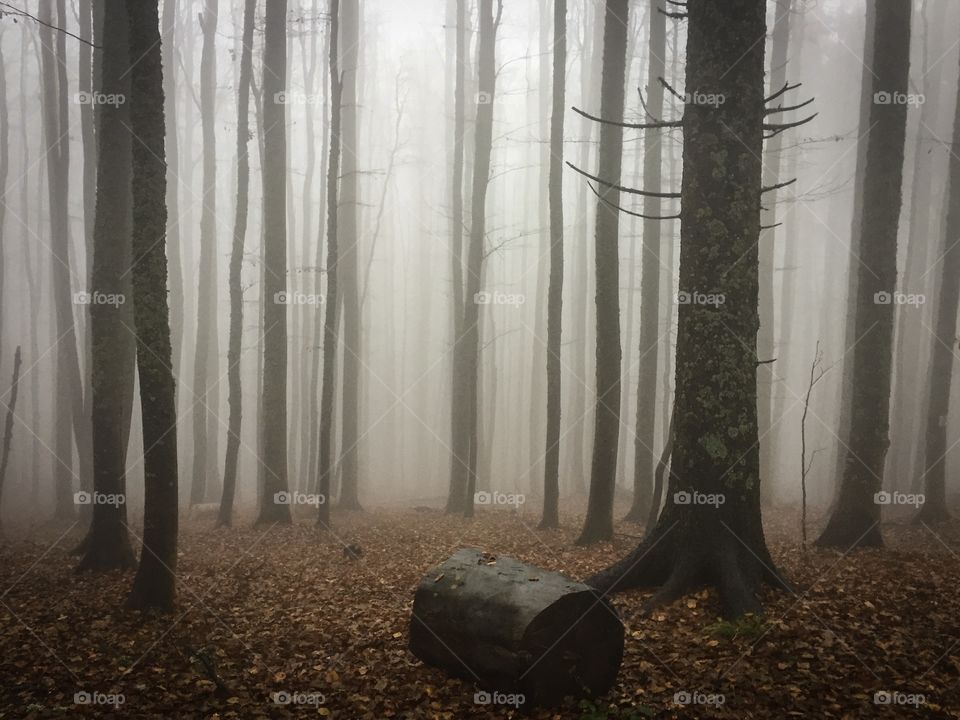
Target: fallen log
(516, 629)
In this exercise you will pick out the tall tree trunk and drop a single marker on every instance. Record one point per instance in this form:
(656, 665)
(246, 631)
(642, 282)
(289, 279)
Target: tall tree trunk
(710, 530)
(348, 266)
(551, 468)
(319, 318)
(325, 464)
(272, 505)
(236, 266)
(934, 509)
(69, 383)
(311, 275)
(855, 520)
(206, 401)
(765, 338)
(598, 524)
(175, 269)
(456, 202)
(912, 366)
(643, 467)
(849, 336)
(155, 582)
(467, 348)
(113, 344)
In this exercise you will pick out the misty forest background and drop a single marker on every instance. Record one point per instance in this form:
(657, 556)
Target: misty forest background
(298, 297)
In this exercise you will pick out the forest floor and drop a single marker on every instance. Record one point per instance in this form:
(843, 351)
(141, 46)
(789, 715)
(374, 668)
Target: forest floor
(283, 610)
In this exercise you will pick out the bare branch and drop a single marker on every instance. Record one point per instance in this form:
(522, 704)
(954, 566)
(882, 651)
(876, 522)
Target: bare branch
(771, 188)
(631, 126)
(777, 128)
(785, 89)
(788, 108)
(630, 212)
(621, 188)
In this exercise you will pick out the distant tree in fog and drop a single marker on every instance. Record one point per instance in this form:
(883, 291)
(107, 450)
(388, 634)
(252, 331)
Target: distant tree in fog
(598, 524)
(855, 518)
(274, 456)
(236, 265)
(206, 393)
(551, 467)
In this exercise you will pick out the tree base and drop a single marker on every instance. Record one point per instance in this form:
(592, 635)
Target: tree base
(846, 533)
(107, 553)
(151, 594)
(682, 556)
(932, 514)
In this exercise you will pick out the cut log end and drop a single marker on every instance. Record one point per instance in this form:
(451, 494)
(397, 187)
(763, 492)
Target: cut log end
(515, 628)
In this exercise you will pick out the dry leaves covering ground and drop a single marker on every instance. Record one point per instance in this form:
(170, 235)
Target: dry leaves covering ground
(281, 610)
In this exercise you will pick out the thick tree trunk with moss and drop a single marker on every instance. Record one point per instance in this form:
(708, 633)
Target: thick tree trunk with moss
(855, 519)
(551, 466)
(275, 266)
(710, 531)
(598, 524)
(155, 582)
(113, 349)
(934, 509)
(236, 265)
